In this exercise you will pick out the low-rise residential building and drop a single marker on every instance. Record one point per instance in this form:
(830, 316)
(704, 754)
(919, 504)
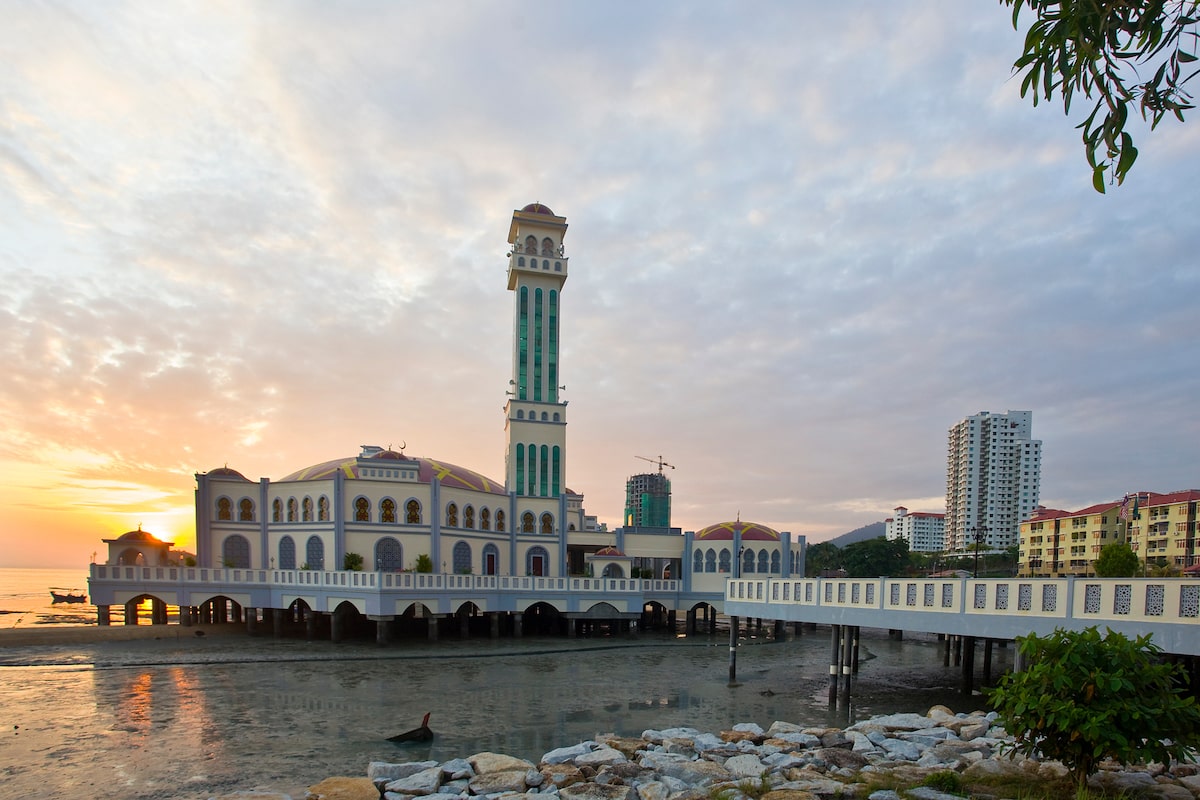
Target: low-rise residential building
(1162, 527)
(1056, 542)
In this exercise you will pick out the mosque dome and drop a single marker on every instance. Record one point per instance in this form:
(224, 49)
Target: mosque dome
(226, 472)
(138, 536)
(609, 551)
(538, 208)
(449, 475)
(751, 531)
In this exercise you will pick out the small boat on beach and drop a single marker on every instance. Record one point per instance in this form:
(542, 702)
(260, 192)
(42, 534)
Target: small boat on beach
(60, 595)
(421, 734)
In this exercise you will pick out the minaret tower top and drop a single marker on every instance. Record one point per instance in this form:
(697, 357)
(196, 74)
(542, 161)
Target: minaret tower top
(535, 417)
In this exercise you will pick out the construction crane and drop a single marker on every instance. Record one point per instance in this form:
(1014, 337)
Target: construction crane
(658, 461)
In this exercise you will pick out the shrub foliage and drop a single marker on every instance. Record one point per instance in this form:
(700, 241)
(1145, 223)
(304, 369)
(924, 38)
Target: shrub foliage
(1085, 697)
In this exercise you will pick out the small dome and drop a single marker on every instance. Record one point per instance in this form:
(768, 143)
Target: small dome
(138, 536)
(538, 208)
(226, 472)
(751, 531)
(609, 551)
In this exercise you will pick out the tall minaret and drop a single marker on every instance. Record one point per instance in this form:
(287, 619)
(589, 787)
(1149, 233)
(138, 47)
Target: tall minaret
(535, 419)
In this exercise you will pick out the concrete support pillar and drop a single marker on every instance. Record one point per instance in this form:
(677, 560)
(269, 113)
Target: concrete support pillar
(383, 630)
(517, 624)
(103, 617)
(895, 634)
(464, 625)
(251, 621)
(733, 638)
(277, 621)
(835, 659)
(779, 629)
(237, 612)
(689, 622)
(854, 655)
(185, 616)
(672, 620)
(336, 627)
(432, 627)
(494, 624)
(987, 662)
(968, 664)
(798, 628)
(848, 636)
(572, 628)
(310, 624)
(131, 613)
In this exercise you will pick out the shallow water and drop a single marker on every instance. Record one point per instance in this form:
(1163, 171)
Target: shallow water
(191, 717)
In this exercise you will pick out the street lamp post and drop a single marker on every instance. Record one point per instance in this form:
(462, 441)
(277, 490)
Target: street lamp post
(980, 532)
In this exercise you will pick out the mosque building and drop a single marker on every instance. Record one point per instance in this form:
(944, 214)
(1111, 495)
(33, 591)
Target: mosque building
(383, 510)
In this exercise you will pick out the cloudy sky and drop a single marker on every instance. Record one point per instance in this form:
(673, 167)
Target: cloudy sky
(805, 240)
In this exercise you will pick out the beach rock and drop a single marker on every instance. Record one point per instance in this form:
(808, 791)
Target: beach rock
(599, 757)
(562, 755)
(694, 773)
(627, 745)
(486, 762)
(653, 790)
(788, 794)
(745, 766)
(252, 794)
(598, 791)
(457, 768)
(561, 775)
(383, 770)
(343, 789)
(508, 780)
(424, 782)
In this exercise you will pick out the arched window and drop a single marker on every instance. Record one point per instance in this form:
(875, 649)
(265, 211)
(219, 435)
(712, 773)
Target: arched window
(531, 244)
(246, 510)
(491, 559)
(527, 522)
(389, 556)
(387, 510)
(698, 562)
(520, 415)
(277, 510)
(520, 261)
(613, 571)
(547, 523)
(412, 512)
(306, 509)
(794, 569)
(469, 517)
(224, 508)
(323, 509)
(747, 561)
(452, 515)
(537, 561)
(724, 560)
(545, 416)
(235, 552)
(763, 559)
(287, 553)
(485, 519)
(710, 560)
(556, 416)
(775, 562)
(291, 509)
(362, 509)
(314, 553)
(547, 247)
(462, 558)
(500, 520)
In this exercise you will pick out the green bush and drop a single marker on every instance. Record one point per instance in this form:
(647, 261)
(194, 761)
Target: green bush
(945, 781)
(424, 563)
(352, 562)
(1084, 697)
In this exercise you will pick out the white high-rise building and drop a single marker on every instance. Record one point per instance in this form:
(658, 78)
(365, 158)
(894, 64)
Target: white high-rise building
(923, 531)
(993, 479)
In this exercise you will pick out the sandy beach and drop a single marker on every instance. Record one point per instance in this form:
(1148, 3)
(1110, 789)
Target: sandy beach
(55, 635)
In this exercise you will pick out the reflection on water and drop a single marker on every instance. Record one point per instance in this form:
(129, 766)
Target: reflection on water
(202, 717)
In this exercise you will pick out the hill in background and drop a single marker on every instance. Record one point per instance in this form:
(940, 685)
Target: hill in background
(872, 531)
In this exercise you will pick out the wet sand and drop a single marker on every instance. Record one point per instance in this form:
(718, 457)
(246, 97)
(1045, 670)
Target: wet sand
(62, 635)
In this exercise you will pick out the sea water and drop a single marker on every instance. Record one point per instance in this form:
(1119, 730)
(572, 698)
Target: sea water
(25, 598)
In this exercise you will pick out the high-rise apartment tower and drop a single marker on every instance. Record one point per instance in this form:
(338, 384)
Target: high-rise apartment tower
(993, 478)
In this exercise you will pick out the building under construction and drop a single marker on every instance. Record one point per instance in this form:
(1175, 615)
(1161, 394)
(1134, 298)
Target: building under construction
(648, 501)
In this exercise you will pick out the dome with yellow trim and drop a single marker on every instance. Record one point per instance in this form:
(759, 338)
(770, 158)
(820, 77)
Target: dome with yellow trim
(450, 475)
(751, 532)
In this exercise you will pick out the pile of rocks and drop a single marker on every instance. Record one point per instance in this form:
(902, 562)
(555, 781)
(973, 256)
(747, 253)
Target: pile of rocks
(786, 762)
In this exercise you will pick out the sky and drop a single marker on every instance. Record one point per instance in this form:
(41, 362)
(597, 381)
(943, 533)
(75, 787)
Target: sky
(805, 240)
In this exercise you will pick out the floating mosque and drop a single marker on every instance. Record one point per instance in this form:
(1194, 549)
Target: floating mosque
(384, 513)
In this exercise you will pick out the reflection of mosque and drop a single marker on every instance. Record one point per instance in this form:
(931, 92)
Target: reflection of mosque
(385, 511)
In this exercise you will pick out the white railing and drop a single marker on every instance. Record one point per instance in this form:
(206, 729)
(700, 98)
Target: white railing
(376, 581)
(1091, 600)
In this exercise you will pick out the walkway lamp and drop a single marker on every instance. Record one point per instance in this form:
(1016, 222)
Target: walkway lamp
(980, 532)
